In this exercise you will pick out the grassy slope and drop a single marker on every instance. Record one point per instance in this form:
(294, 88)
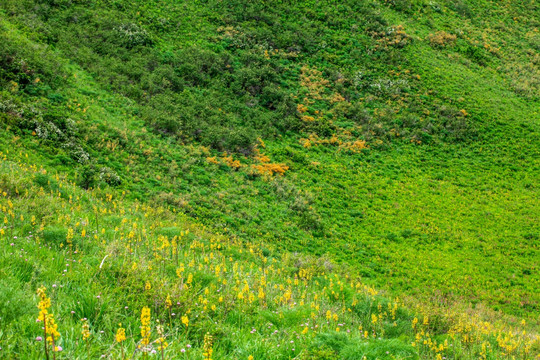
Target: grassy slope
(122, 256)
(396, 211)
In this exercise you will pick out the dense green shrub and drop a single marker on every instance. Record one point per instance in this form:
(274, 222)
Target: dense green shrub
(240, 80)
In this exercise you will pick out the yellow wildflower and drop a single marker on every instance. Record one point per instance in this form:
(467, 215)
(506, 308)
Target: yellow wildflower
(145, 325)
(185, 320)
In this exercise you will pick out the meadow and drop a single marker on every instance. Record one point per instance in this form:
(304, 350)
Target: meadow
(302, 180)
(120, 279)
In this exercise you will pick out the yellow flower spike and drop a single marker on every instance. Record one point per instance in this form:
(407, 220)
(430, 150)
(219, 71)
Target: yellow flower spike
(145, 325)
(161, 340)
(120, 334)
(207, 347)
(120, 337)
(85, 329)
(185, 320)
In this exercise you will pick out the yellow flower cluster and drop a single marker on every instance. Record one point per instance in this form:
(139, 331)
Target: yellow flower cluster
(216, 274)
(162, 344)
(44, 303)
(120, 334)
(50, 327)
(185, 320)
(207, 347)
(85, 329)
(145, 326)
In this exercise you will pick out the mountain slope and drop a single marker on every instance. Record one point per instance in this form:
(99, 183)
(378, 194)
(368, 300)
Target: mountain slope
(399, 138)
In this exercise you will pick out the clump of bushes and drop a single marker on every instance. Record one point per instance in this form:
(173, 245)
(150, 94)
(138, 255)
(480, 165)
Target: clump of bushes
(442, 39)
(132, 35)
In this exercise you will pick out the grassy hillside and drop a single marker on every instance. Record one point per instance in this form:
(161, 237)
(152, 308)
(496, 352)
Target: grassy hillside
(396, 140)
(106, 260)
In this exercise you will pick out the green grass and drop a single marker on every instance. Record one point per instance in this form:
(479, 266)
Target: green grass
(264, 303)
(409, 160)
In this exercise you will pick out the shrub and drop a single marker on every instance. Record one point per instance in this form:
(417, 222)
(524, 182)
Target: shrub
(405, 6)
(109, 176)
(131, 35)
(28, 65)
(475, 54)
(86, 177)
(461, 8)
(442, 39)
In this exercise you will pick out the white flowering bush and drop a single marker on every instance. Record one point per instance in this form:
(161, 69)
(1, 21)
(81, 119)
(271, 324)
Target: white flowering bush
(132, 35)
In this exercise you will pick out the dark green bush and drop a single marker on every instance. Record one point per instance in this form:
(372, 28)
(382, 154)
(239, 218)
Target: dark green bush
(87, 176)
